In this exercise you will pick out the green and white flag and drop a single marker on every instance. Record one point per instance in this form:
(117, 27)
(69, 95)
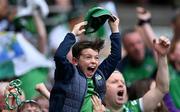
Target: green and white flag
(18, 56)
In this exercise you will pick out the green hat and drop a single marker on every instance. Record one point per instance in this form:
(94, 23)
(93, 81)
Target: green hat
(96, 17)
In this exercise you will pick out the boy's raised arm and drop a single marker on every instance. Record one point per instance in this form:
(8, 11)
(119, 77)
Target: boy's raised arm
(110, 63)
(114, 25)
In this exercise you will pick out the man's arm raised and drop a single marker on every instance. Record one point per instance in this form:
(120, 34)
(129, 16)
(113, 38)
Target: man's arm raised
(155, 95)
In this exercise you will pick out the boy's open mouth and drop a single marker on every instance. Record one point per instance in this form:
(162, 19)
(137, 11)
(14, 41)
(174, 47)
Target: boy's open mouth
(91, 69)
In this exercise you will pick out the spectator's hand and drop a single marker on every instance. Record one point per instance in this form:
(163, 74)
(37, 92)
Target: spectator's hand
(79, 28)
(9, 89)
(161, 45)
(12, 100)
(143, 14)
(97, 104)
(41, 88)
(114, 24)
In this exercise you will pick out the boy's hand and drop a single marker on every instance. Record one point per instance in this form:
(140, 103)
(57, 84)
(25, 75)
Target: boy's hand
(78, 28)
(114, 24)
(162, 45)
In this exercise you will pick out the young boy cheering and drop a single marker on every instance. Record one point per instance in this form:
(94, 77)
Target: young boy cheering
(76, 83)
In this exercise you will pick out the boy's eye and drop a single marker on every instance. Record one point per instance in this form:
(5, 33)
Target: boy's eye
(97, 57)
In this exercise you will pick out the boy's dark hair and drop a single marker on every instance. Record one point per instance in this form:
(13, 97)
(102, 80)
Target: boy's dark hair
(79, 46)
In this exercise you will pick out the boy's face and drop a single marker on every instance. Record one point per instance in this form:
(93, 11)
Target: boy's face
(88, 61)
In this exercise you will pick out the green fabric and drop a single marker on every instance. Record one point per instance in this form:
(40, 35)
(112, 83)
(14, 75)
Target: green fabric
(26, 22)
(100, 34)
(175, 86)
(87, 104)
(30, 79)
(130, 106)
(134, 73)
(8, 69)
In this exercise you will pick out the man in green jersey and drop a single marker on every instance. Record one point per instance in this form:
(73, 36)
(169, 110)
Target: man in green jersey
(116, 94)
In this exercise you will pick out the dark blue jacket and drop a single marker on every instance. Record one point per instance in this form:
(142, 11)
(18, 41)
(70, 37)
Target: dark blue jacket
(70, 85)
